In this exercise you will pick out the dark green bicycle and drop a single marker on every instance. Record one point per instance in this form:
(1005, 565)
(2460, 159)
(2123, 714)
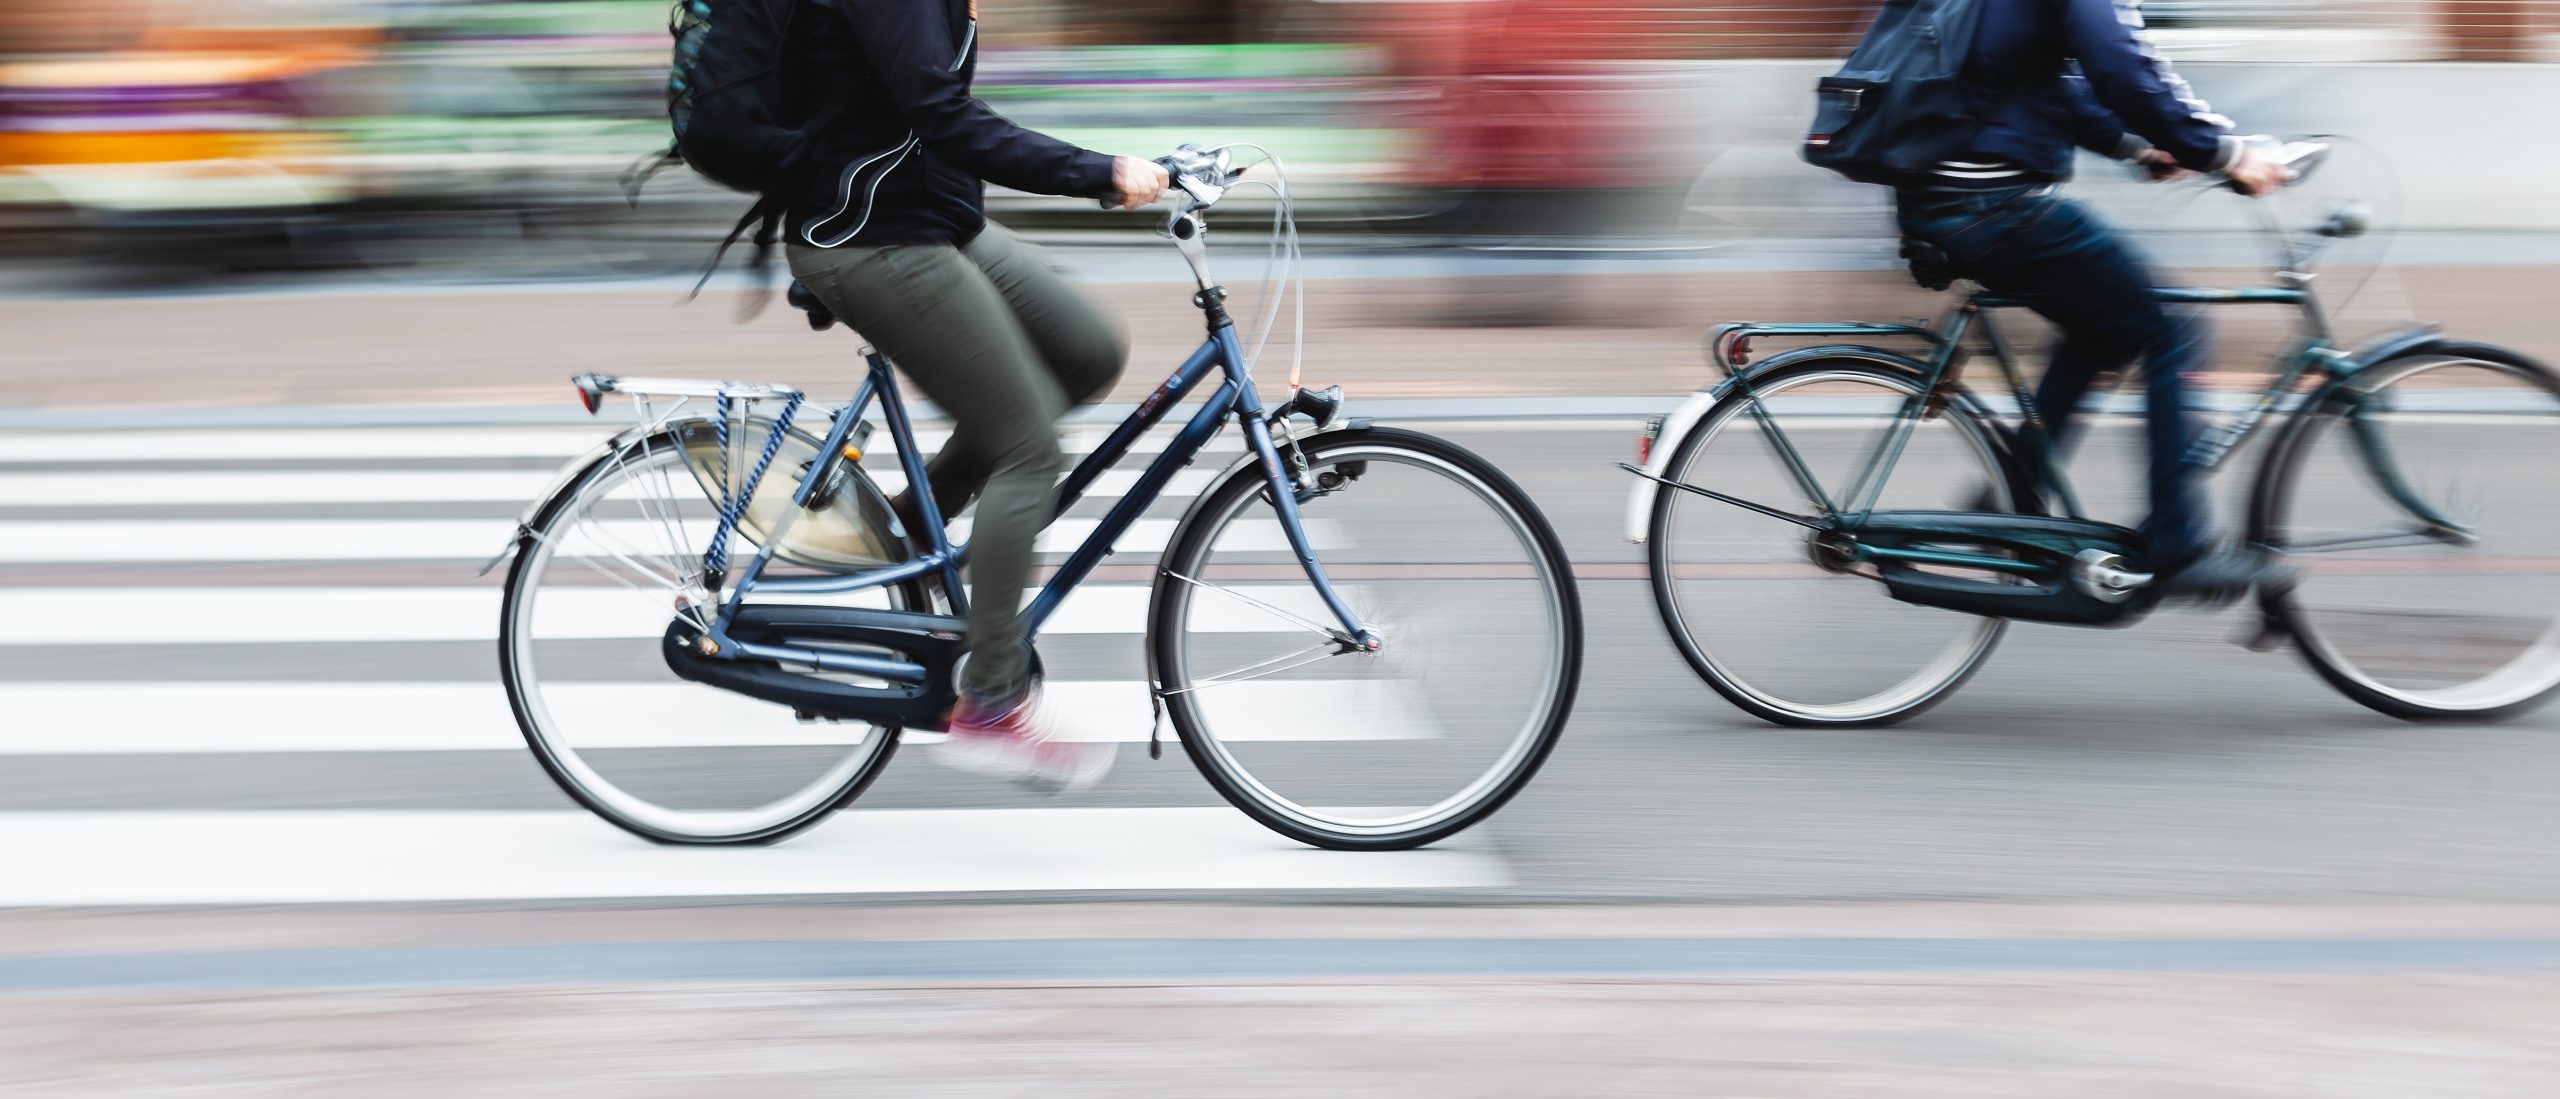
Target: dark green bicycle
(2403, 477)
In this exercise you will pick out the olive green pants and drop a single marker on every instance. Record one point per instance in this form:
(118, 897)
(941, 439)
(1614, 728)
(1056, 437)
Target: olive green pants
(997, 339)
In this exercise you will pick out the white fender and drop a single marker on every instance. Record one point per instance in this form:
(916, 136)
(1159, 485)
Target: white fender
(1675, 427)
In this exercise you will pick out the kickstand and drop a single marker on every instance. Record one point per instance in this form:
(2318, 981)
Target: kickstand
(1155, 724)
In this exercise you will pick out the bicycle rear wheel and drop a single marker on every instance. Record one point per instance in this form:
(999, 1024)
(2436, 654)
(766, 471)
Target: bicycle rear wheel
(604, 567)
(1767, 614)
(2399, 617)
(1447, 561)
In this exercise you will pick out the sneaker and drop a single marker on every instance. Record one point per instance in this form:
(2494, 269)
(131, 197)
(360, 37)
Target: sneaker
(1010, 741)
(2223, 575)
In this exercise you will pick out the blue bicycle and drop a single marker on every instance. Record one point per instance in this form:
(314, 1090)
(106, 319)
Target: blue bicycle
(1365, 638)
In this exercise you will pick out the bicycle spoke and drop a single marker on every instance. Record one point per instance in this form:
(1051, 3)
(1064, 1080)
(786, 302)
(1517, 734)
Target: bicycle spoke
(676, 550)
(626, 734)
(1411, 741)
(1275, 612)
(622, 551)
(1265, 668)
(1765, 612)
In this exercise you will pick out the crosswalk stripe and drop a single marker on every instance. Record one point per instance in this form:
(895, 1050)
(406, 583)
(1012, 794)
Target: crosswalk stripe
(189, 718)
(206, 540)
(229, 616)
(344, 445)
(326, 443)
(1110, 486)
(386, 487)
(382, 856)
(513, 487)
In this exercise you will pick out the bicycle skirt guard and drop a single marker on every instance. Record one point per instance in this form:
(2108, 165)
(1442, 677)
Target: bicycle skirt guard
(2036, 568)
(931, 640)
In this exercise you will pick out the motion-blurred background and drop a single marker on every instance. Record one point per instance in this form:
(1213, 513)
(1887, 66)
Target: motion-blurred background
(483, 138)
(291, 292)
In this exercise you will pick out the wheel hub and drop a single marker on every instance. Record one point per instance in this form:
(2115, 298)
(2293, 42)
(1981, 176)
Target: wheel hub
(1832, 552)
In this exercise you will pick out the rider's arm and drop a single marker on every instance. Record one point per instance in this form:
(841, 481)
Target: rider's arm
(909, 48)
(2127, 77)
(2095, 128)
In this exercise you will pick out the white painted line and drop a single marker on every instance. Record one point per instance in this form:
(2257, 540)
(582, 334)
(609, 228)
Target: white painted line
(352, 445)
(387, 487)
(1110, 486)
(180, 541)
(191, 858)
(126, 718)
(1265, 711)
(225, 616)
(331, 443)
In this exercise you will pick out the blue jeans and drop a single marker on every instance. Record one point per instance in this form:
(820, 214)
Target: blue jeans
(2029, 243)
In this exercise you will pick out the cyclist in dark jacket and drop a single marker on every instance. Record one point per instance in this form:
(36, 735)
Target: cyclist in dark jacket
(890, 232)
(2049, 75)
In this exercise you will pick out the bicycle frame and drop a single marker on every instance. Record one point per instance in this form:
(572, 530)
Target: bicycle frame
(1220, 355)
(1939, 370)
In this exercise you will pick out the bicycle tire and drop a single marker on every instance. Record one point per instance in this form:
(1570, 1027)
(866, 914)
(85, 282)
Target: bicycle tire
(512, 673)
(1895, 374)
(1193, 539)
(2270, 501)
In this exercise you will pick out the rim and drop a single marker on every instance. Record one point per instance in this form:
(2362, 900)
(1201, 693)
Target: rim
(2531, 673)
(1944, 670)
(660, 469)
(1516, 754)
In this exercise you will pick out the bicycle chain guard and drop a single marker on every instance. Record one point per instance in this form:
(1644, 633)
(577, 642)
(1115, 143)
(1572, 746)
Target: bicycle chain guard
(2056, 590)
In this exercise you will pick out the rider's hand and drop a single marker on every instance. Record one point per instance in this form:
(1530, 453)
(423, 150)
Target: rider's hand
(2255, 172)
(2160, 166)
(1138, 181)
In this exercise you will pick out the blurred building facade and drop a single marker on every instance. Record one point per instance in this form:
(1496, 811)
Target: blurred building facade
(462, 125)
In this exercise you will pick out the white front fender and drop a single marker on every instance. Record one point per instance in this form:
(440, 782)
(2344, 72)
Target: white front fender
(1640, 495)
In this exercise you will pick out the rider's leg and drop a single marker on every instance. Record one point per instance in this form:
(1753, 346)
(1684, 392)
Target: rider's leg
(2178, 527)
(2084, 277)
(939, 317)
(1079, 345)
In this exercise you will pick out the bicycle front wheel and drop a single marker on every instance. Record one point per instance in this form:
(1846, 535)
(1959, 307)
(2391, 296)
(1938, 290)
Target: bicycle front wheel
(1783, 625)
(2414, 500)
(604, 568)
(1443, 558)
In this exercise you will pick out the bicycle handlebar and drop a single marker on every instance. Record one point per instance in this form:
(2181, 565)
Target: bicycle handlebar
(1199, 175)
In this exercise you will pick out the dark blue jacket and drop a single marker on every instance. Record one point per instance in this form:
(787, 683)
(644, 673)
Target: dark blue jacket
(900, 146)
(2048, 75)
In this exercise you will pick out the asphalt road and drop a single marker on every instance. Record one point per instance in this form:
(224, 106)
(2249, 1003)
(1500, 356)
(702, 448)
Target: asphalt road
(2161, 762)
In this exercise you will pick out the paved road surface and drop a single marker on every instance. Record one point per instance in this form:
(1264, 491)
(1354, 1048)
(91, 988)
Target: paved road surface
(251, 666)
(246, 669)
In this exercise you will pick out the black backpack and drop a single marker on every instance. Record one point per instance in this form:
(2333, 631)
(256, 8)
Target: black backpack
(724, 92)
(1896, 109)
(724, 100)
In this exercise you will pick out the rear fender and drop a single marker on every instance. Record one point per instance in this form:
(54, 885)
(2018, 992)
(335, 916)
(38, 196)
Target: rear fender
(578, 466)
(1676, 426)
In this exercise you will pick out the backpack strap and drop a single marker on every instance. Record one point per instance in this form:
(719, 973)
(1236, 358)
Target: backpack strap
(765, 218)
(645, 169)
